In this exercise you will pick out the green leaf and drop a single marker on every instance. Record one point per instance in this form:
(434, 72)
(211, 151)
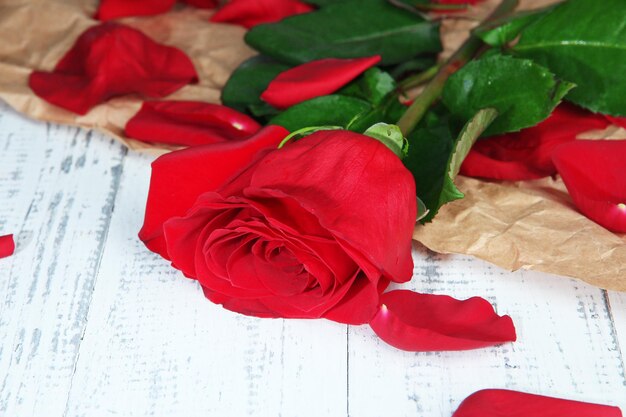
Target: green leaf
(347, 29)
(333, 110)
(374, 85)
(583, 41)
(502, 31)
(422, 210)
(523, 93)
(248, 81)
(412, 66)
(468, 136)
(435, 157)
(391, 136)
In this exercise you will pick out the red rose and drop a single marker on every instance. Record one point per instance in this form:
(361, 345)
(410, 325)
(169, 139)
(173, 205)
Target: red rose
(316, 229)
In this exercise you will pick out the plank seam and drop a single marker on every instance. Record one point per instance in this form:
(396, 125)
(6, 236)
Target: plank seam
(101, 248)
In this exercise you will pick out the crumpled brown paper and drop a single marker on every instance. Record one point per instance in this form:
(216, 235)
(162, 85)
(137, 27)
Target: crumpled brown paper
(35, 34)
(529, 224)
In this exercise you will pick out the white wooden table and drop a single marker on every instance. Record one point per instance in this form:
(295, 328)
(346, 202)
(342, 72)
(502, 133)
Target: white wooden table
(92, 324)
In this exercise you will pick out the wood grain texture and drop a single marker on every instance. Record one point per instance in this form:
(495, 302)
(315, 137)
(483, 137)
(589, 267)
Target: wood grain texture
(93, 324)
(57, 190)
(566, 346)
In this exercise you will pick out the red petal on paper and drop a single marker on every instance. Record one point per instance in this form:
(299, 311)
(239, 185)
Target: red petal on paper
(594, 172)
(178, 178)
(203, 4)
(527, 154)
(113, 9)
(426, 322)
(111, 60)
(314, 79)
(506, 403)
(7, 246)
(189, 123)
(249, 13)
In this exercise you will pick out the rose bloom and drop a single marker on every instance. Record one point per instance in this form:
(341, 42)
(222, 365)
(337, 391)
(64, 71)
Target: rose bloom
(318, 228)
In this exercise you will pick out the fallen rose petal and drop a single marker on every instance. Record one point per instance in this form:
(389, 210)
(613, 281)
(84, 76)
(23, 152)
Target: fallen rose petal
(617, 121)
(203, 4)
(506, 403)
(189, 123)
(114, 9)
(426, 322)
(314, 79)
(7, 246)
(249, 13)
(527, 154)
(594, 173)
(178, 178)
(110, 60)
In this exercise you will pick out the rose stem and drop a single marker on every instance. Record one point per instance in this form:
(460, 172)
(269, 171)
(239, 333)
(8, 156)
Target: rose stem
(433, 89)
(419, 78)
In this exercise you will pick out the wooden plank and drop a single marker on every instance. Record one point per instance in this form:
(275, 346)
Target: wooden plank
(566, 345)
(57, 187)
(155, 346)
(616, 302)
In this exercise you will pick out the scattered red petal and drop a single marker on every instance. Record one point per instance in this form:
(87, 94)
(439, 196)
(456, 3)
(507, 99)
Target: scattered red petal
(506, 403)
(178, 178)
(617, 121)
(249, 13)
(425, 322)
(527, 154)
(314, 79)
(110, 60)
(203, 4)
(7, 246)
(593, 172)
(189, 123)
(114, 9)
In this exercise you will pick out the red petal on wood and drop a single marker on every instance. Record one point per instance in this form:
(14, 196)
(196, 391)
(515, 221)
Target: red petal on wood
(594, 174)
(314, 79)
(7, 246)
(506, 403)
(426, 322)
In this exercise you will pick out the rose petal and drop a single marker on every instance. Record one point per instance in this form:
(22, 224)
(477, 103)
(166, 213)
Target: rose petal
(594, 173)
(617, 121)
(189, 123)
(506, 403)
(314, 79)
(7, 246)
(527, 154)
(113, 9)
(426, 322)
(370, 207)
(203, 4)
(249, 13)
(111, 60)
(180, 177)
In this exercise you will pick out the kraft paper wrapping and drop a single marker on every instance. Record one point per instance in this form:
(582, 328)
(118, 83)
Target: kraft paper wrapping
(530, 224)
(35, 34)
